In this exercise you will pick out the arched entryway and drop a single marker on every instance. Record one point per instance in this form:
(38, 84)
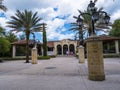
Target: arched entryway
(59, 49)
(65, 49)
(72, 48)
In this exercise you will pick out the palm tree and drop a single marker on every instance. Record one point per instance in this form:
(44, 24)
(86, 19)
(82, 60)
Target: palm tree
(99, 25)
(80, 31)
(2, 7)
(26, 22)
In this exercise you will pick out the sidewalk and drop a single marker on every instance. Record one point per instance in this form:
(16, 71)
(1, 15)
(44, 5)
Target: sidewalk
(61, 73)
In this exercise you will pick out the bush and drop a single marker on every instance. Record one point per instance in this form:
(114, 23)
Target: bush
(111, 55)
(44, 57)
(52, 56)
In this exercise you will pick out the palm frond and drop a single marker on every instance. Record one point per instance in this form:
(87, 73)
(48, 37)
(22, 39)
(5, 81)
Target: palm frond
(75, 17)
(95, 1)
(2, 7)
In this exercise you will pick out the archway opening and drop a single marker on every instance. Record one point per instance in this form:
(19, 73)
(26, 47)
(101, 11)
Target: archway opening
(59, 49)
(72, 49)
(65, 49)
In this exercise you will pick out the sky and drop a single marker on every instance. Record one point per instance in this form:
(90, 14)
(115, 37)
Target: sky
(57, 14)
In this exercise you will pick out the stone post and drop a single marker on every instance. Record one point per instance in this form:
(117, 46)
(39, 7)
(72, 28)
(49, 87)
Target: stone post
(34, 55)
(95, 59)
(13, 51)
(116, 47)
(81, 54)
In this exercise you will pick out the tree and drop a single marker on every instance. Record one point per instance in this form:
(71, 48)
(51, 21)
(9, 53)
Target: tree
(79, 32)
(25, 22)
(2, 32)
(2, 7)
(4, 46)
(22, 37)
(115, 31)
(99, 26)
(44, 41)
(11, 37)
(99, 23)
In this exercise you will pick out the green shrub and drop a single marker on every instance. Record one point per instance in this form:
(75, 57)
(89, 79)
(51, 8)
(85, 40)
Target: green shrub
(111, 55)
(52, 56)
(44, 57)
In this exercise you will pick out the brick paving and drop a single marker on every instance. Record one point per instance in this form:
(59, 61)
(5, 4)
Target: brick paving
(61, 73)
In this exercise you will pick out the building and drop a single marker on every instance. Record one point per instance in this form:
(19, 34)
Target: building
(62, 47)
(68, 46)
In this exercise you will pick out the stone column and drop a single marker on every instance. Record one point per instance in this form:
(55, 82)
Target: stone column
(34, 55)
(55, 50)
(68, 49)
(13, 51)
(42, 50)
(108, 46)
(62, 49)
(116, 47)
(81, 54)
(75, 49)
(95, 59)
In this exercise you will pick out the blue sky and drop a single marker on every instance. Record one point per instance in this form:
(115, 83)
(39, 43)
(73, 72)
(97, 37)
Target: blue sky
(57, 14)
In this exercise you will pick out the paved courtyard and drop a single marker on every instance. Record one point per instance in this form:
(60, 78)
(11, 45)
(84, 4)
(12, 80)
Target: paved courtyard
(61, 73)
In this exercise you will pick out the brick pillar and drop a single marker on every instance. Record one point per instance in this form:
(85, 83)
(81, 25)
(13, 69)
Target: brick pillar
(81, 54)
(34, 55)
(95, 59)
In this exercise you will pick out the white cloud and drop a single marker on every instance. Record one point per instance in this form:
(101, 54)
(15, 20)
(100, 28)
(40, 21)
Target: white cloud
(65, 7)
(3, 21)
(115, 15)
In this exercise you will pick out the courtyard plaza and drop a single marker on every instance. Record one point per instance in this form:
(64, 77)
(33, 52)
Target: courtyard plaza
(60, 73)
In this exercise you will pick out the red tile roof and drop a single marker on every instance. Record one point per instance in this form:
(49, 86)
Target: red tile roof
(108, 38)
(50, 43)
(22, 42)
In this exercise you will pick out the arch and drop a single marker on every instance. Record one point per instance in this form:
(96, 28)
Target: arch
(59, 49)
(65, 49)
(72, 48)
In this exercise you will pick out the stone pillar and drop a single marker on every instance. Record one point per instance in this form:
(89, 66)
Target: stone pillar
(116, 47)
(75, 49)
(68, 49)
(13, 51)
(42, 50)
(55, 50)
(95, 59)
(34, 55)
(62, 49)
(108, 46)
(81, 54)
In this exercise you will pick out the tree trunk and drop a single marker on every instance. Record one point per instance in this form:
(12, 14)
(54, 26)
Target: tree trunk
(27, 48)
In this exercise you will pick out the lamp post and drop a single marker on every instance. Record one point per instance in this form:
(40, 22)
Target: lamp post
(96, 15)
(94, 45)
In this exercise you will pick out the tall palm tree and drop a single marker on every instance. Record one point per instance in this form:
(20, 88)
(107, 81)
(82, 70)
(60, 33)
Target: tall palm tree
(26, 22)
(2, 7)
(80, 31)
(99, 26)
